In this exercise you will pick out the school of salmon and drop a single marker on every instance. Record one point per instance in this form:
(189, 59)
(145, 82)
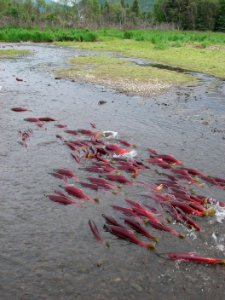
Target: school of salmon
(115, 164)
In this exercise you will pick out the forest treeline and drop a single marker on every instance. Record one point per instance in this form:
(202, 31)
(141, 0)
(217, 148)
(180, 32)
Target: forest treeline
(179, 14)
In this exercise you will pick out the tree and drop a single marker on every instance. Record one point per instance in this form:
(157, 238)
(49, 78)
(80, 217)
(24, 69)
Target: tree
(158, 12)
(220, 23)
(135, 8)
(188, 14)
(207, 11)
(122, 2)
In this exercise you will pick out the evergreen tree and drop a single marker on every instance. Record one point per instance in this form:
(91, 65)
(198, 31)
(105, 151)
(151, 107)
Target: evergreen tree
(122, 2)
(220, 23)
(207, 11)
(135, 8)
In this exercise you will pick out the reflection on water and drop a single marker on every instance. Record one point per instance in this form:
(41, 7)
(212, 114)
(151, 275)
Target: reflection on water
(47, 250)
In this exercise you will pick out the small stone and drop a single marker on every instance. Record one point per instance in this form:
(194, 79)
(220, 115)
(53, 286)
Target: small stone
(137, 287)
(205, 123)
(117, 279)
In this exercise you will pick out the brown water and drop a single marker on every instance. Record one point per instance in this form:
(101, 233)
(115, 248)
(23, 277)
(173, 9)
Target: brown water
(47, 250)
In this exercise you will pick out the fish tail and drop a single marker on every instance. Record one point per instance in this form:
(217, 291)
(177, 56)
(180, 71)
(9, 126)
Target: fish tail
(95, 231)
(151, 246)
(181, 236)
(209, 212)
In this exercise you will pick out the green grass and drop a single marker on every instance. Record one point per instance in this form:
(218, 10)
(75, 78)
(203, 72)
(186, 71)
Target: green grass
(196, 51)
(167, 38)
(114, 68)
(159, 38)
(123, 74)
(47, 35)
(11, 53)
(211, 61)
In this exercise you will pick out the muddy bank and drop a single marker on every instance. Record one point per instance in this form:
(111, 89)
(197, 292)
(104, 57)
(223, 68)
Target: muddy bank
(47, 250)
(126, 86)
(126, 75)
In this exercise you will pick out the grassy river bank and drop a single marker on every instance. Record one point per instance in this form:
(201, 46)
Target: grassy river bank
(194, 51)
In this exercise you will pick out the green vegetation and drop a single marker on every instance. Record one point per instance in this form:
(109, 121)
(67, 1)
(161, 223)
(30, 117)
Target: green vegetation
(145, 5)
(179, 14)
(166, 38)
(11, 53)
(37, 21)
(48, 35)
(202, 52)
(123, 75)
(114, 68)
(192, 14)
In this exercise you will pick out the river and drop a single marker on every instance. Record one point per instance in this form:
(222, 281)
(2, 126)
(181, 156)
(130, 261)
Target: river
(47, 250)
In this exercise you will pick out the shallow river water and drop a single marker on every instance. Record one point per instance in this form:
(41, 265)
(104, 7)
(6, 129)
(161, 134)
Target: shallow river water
(47, 250)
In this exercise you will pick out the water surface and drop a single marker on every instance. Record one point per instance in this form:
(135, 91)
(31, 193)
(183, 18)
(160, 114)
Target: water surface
(47, 250)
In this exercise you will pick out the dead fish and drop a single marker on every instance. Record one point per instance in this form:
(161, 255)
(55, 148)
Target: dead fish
(95, 231)
(20, 109)
(19, 79)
